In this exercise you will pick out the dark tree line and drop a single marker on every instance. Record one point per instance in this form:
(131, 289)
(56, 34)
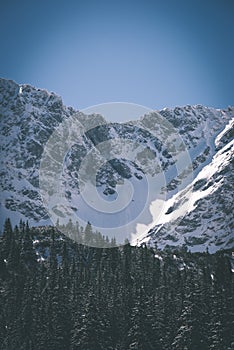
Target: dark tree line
(56, 294)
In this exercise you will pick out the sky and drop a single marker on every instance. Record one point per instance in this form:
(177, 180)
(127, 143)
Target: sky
(153, 53)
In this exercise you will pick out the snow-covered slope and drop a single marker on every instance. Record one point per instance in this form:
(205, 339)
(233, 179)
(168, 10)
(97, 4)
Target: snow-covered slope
(201, 216)
(28, 117)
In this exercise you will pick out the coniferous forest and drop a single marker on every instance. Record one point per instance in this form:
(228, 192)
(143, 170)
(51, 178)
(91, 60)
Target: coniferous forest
(56, 294)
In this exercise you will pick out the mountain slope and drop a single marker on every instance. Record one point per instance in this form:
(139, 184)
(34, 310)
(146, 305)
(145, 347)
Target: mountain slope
(207, 221)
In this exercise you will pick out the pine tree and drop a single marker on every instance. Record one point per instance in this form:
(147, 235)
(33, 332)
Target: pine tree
(86, 334)
(88, 234)
(7, 239)
(28, 255)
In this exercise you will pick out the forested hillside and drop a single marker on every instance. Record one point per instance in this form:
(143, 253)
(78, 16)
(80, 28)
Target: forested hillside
(59, 295)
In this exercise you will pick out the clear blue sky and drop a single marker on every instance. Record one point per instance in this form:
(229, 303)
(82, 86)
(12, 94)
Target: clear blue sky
(154, 53)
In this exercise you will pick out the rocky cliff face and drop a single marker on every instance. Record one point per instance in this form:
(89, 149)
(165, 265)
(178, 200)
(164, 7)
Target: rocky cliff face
(29, 117)
(206, 221)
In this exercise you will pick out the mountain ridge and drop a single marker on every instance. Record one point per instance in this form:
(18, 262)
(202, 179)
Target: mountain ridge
(29, 116)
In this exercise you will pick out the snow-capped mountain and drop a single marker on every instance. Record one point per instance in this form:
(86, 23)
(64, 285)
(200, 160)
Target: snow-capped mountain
(197, 212)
